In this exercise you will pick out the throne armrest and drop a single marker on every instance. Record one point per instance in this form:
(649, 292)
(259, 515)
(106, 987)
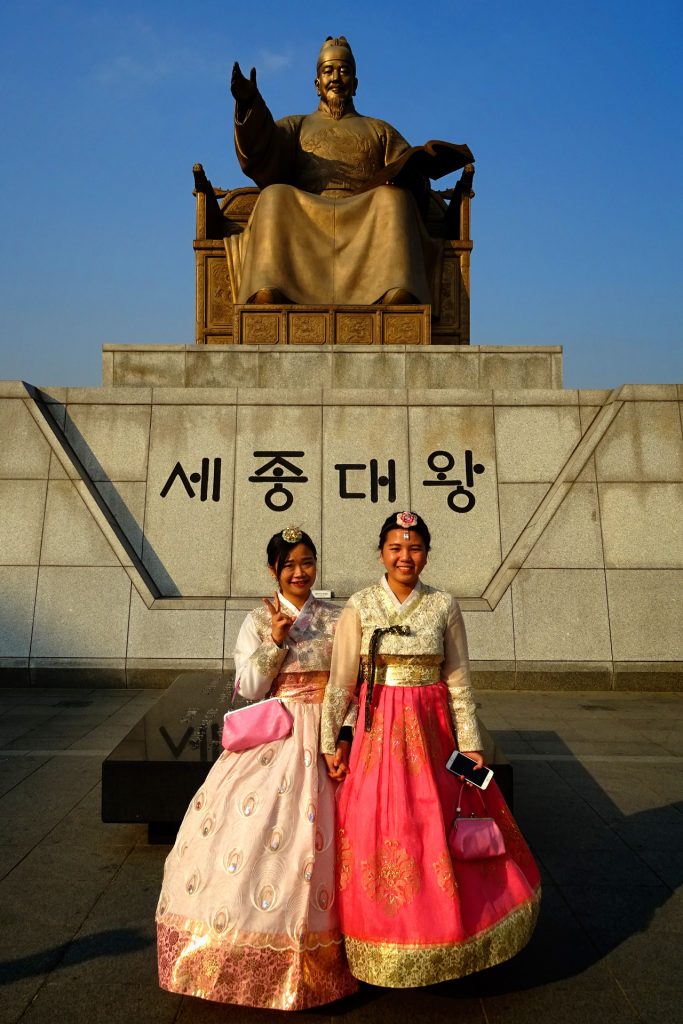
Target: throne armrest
(455, 223)
(221, 212)
(209, 217)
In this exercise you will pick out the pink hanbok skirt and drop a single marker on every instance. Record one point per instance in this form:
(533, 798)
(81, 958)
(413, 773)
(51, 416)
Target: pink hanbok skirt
(247, 912)
(410, 913)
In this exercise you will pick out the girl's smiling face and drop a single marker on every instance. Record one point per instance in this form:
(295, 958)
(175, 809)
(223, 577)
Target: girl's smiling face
(404, 555)
(297, 575)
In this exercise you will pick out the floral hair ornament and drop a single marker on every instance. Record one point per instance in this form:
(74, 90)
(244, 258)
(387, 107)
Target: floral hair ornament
(292, 534)
(406, 519)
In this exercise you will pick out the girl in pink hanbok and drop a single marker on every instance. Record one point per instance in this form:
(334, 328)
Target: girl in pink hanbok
(247, 911)
(411, 912)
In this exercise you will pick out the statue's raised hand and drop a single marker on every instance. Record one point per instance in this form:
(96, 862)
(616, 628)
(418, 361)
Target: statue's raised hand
(243, 89)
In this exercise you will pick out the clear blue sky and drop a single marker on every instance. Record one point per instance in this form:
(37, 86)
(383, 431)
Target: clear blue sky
(572, 109)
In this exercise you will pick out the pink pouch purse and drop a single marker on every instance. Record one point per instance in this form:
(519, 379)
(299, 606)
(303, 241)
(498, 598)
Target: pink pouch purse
(475, 838)
(256, 724)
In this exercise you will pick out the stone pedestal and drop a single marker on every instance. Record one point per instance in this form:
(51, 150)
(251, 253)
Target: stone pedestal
(335, 366)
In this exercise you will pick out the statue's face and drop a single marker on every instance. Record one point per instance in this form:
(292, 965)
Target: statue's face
(336, 81)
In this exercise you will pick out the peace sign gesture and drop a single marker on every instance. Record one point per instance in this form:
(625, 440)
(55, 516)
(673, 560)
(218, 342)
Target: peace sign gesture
(281, 623)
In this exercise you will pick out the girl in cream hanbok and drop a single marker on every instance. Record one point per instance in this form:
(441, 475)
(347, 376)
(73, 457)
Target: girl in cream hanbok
(411, 913)
(247, 912)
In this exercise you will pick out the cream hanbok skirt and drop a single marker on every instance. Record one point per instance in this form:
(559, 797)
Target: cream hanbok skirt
(247, 911)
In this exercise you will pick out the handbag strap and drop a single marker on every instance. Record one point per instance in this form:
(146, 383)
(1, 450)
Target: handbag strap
(458, 809)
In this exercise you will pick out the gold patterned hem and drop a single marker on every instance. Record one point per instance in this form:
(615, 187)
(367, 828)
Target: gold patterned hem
(217, 969)
(394, 965)
(220, 930)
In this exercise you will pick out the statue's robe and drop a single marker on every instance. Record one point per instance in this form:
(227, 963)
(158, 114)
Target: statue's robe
(314, 235)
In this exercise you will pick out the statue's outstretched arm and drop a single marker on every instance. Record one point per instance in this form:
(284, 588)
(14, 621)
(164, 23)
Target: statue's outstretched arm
(266, 149)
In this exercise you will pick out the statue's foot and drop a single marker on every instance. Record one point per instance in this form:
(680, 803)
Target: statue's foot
(398, 297)
(269, 297)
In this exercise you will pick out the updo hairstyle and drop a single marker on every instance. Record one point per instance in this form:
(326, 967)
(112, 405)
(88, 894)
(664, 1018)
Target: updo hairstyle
(391, 523)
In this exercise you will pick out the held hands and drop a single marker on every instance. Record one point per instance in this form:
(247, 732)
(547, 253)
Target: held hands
(338, 763)
(243, 89)
(280, 623)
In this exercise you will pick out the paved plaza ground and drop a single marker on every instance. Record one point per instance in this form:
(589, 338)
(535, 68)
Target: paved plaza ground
(598, 793)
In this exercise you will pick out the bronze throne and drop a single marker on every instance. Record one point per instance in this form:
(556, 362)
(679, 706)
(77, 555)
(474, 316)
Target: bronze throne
(219, 321)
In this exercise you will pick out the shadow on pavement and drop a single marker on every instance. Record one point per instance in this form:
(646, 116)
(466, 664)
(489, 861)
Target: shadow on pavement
(116, 942)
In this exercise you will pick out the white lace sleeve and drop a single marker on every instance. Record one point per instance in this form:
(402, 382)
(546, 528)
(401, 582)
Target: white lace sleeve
(456, 674)
(351, 716)
(343, 677)
(257, 662)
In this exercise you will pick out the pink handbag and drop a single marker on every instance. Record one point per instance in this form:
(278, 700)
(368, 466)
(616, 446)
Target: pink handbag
(256, 724)
(475, 838)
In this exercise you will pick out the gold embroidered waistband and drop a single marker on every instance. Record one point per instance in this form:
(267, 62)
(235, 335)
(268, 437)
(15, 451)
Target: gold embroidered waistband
(416, 671)
(305, 687)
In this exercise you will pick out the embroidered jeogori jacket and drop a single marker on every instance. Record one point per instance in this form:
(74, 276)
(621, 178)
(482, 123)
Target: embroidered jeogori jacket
(308, 647)
(434, 648)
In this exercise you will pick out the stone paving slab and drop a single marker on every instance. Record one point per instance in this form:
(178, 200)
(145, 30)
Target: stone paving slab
(598, 793)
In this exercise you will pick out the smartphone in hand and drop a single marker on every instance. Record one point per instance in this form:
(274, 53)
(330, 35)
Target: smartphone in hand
(459, 765)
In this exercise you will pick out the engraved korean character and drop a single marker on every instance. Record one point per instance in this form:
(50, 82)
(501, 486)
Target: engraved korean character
(278, 471)
(202, 478)
(377, 479)
(442, 463)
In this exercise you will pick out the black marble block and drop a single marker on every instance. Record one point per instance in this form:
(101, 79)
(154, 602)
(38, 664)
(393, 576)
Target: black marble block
(152, 775)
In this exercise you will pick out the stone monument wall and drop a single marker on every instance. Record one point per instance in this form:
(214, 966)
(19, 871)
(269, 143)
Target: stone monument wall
(134, 518)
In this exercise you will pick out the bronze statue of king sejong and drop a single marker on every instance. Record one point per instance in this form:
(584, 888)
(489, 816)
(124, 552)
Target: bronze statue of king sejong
(330, 226)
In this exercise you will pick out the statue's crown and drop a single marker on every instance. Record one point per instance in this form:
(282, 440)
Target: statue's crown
(336, 48)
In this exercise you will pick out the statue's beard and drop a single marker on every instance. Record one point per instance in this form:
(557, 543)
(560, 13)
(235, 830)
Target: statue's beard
(337, 105)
